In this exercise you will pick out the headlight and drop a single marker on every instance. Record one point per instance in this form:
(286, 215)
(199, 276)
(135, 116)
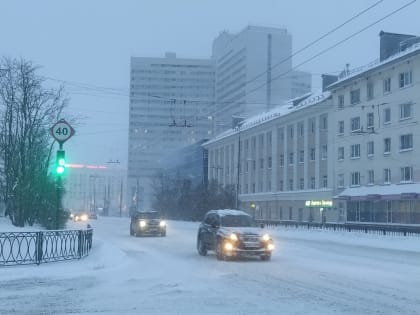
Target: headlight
(233, 237)
(162, 223)
(142, 223)
(270, 246)
(266, 237)
(84, 217)
(228, 246)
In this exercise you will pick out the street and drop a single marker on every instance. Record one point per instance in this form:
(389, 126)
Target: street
(311, 272)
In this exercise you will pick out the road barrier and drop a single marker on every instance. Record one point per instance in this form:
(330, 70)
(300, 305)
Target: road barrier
(384, 229)
(24, 248)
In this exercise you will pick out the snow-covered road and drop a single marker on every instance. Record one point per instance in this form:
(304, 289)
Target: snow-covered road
(311, 272)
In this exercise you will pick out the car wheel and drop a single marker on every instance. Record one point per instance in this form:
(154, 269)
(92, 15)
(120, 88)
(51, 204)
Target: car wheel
(266, 257)
(201, 247)
(219, 251)
(163, 234)
(131, 231)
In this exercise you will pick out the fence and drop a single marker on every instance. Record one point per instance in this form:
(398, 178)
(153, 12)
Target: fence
(384, 229)
(24, 248)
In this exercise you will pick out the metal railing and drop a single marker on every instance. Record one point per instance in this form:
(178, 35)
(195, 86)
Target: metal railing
(384, 229)
(24, 248)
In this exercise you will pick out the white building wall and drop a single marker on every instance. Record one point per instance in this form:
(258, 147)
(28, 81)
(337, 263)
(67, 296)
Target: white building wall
(170, 102)
(260, 191)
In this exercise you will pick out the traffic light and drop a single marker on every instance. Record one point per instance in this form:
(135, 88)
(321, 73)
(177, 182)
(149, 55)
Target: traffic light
(60, 166)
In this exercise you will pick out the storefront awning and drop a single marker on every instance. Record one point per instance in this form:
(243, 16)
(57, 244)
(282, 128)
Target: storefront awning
(384, 192)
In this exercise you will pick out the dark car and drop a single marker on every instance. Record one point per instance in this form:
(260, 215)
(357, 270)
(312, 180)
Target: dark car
(147, 223)
(233, 234)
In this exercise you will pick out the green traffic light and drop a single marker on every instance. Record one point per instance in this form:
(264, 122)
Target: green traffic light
(60, 169)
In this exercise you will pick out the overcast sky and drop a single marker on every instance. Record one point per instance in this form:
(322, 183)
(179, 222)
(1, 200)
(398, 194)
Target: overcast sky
(88, 44)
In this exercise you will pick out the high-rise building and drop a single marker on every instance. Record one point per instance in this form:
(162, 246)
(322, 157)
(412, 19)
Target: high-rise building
(254, 73)
(170, 103)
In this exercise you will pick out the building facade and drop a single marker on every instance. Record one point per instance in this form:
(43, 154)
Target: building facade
(280, 161)
(350, 154)
(254, 73)
(170, 104)
(377, 137)
(95, 189)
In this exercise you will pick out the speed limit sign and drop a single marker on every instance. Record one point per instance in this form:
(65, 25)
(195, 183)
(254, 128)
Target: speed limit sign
(62, 131)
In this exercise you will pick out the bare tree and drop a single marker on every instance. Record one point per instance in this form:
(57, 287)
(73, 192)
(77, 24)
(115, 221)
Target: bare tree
(27, 111)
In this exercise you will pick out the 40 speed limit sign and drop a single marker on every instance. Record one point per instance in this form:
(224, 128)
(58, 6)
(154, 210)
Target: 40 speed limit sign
(62, 131)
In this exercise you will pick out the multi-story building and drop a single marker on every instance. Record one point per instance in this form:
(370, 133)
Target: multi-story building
(349, 154)
(170, 104)
(377, 135)
(280, 161)
(254, 73)
(95, 189)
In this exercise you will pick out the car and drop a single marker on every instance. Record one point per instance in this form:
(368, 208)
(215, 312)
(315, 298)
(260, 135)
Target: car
(147, 223)
(232, 233)
(82, 216)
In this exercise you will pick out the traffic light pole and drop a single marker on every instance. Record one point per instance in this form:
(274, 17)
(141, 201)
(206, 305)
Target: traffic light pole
(57, 212)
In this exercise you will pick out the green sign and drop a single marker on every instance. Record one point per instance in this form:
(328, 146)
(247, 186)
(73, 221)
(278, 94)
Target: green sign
(319, 203)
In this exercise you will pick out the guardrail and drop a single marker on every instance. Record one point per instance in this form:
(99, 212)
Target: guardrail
(24, 248)
(384, 229)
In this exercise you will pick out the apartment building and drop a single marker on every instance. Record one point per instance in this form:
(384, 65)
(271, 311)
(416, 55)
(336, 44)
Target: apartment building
(170, 103)
(280, 161)
(377, 136)
(349, 154)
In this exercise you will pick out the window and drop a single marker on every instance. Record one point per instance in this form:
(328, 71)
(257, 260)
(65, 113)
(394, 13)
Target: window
(324, 152)
(387, 175)
(291, 132)
(281, 185)
(254, 165)
(312, 123)
(405, 111)
(301, 129)
(355, 96)
(324, 181)
(340, 101)
(370, 148)
(387, 115)
(269, 162)
(281, 160)
(387, 85)
(355, 151)
(355, 123)
(406, 142)
(301, 184)
(301, 156)
(253, 188)
(312, 182)
(369, 91)
(324, 122)
(340, 180)
(369, 121)
(312, 154)
(405, 78)
(371, 177)
(340, 156)
(387, 145)
(406, 174)
(341, 127)
(291, 157)
(355, 179)
(290, 184)
(261, 163)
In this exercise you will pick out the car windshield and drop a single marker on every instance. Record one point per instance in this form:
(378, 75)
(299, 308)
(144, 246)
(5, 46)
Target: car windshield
(147, 215)
(236, 221)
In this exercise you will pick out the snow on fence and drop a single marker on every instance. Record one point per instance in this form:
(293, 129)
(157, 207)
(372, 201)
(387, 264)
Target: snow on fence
(23, 248)
(384, 229)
